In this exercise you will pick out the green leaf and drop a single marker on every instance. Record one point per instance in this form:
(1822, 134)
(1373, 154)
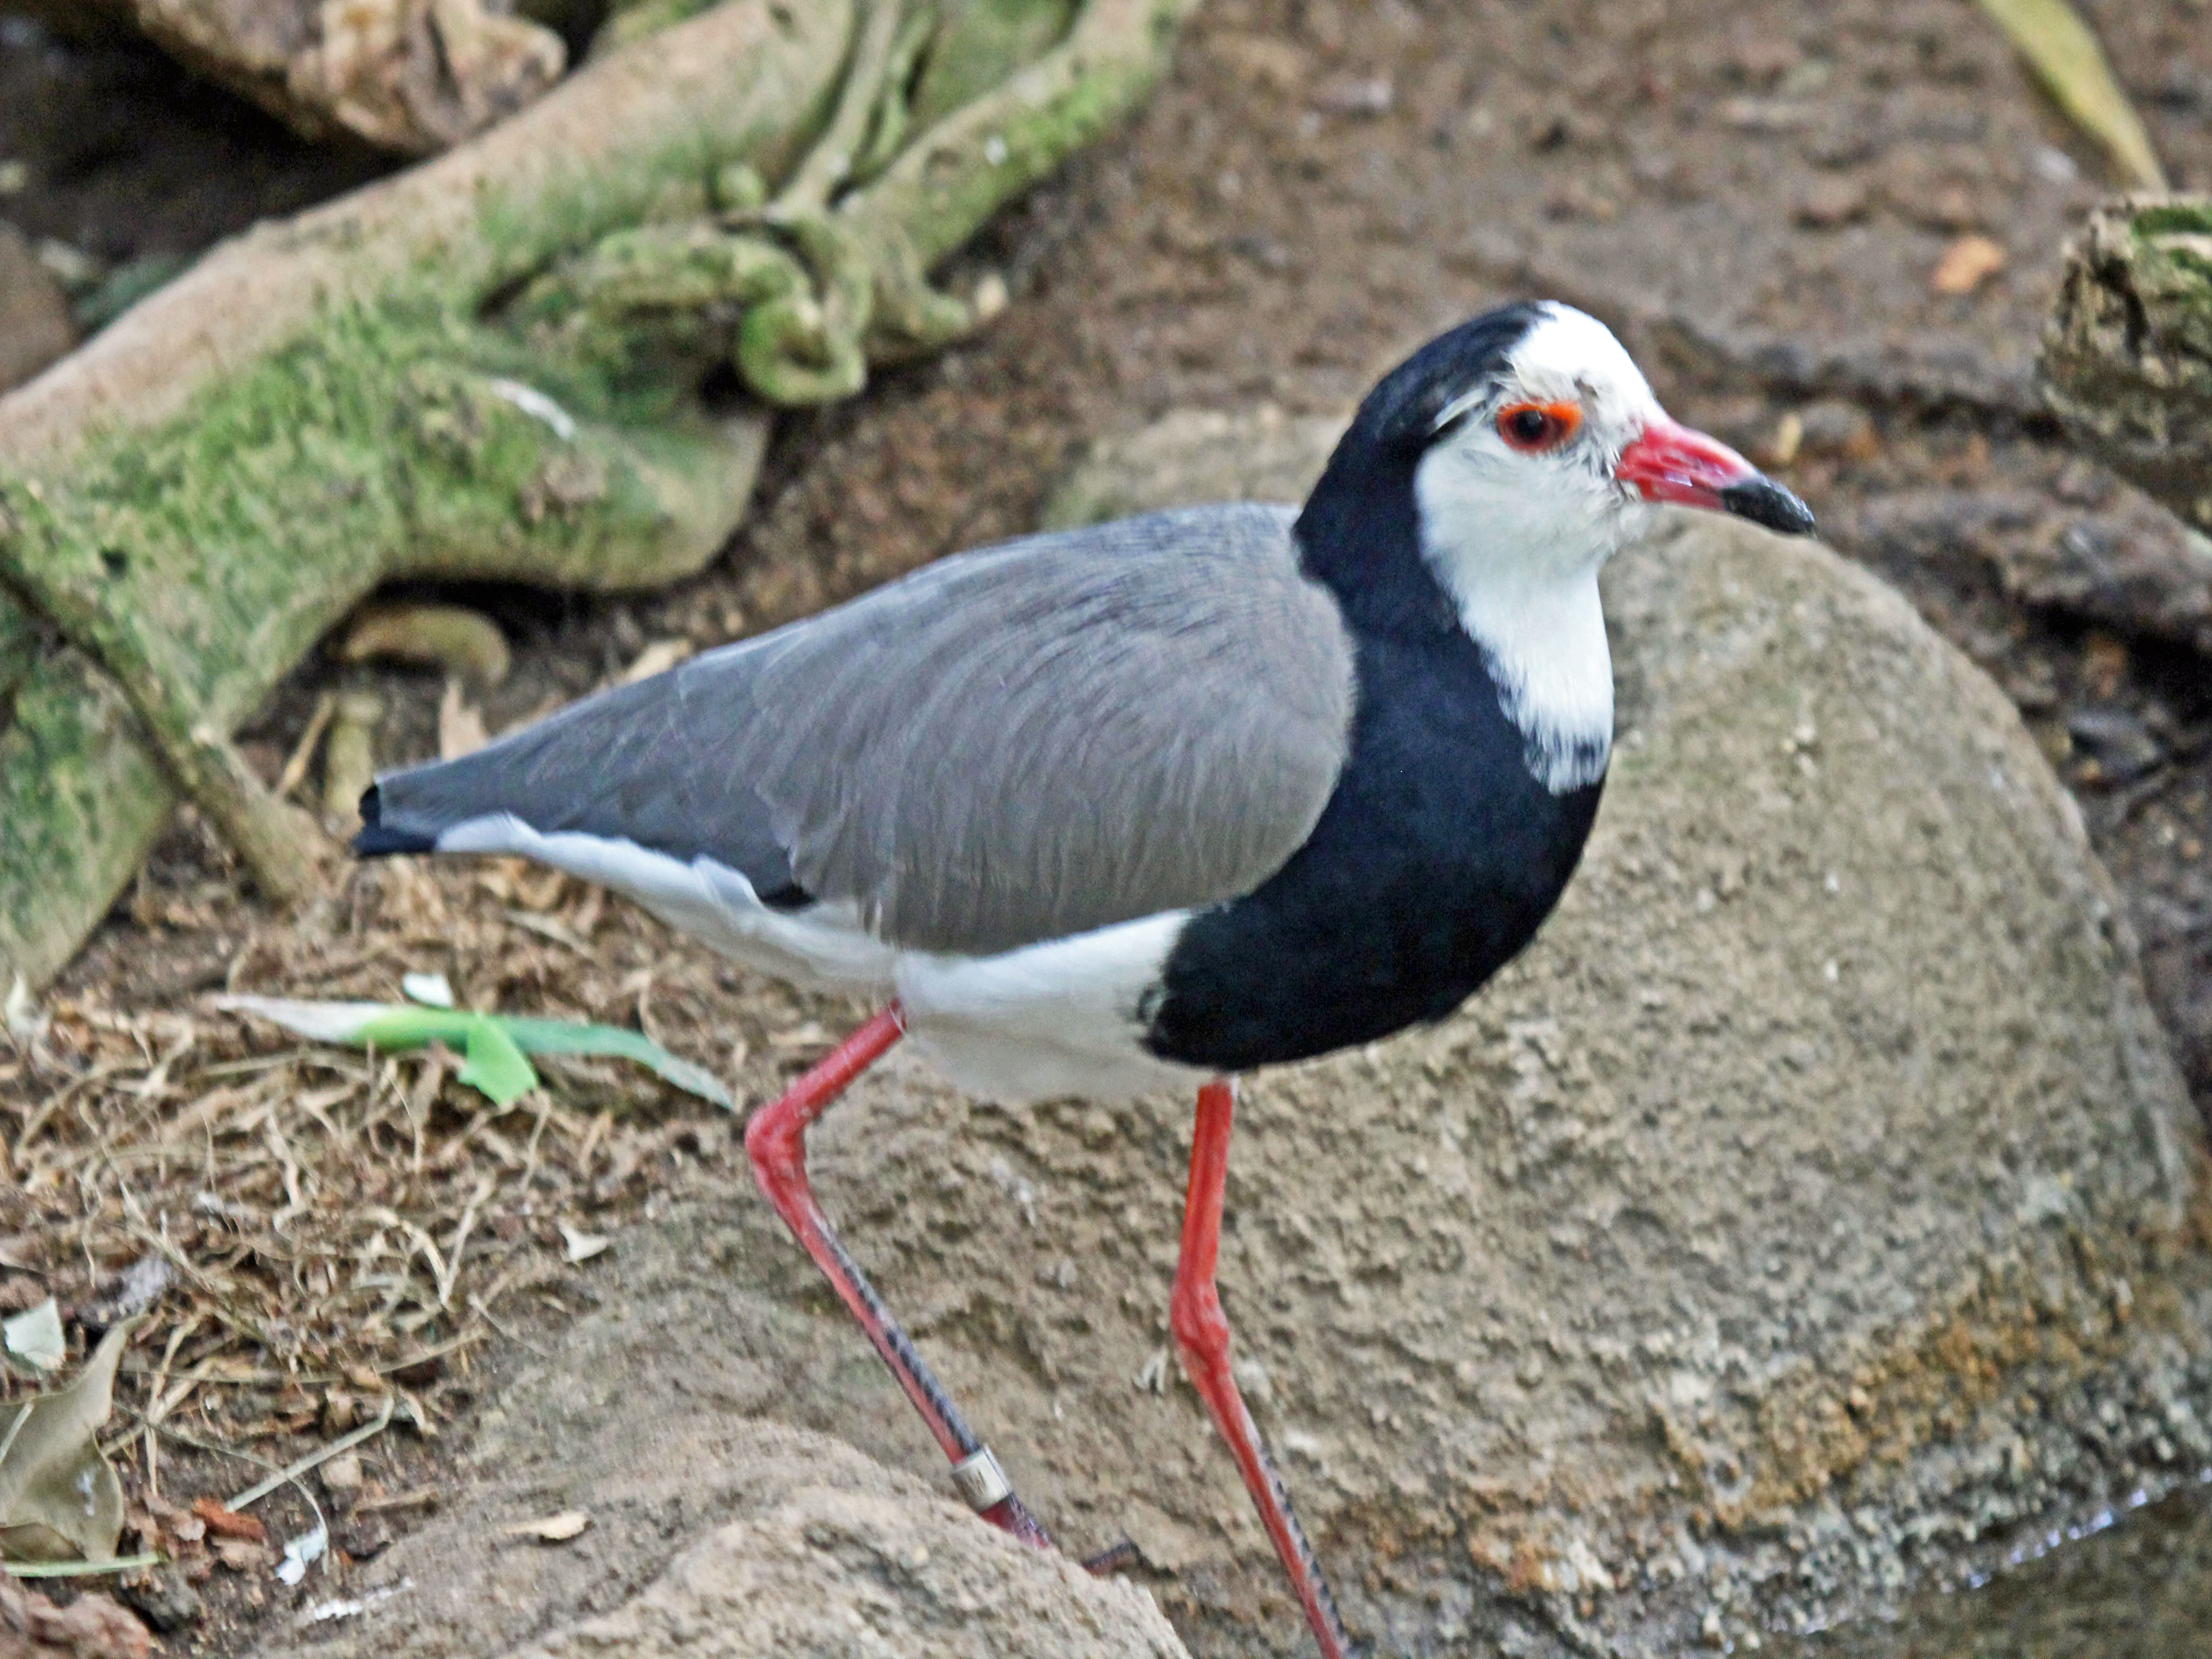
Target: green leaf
(561, 1037)
(495, 1045)
(495, 1066)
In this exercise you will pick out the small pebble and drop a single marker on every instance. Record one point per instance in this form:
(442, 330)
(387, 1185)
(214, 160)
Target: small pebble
(343, 1473)
(1967, 265)
(162, 1597)
(1830, 201)
(2117, 738)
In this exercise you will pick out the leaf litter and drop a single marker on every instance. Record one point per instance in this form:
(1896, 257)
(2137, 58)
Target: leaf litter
(315, 1239)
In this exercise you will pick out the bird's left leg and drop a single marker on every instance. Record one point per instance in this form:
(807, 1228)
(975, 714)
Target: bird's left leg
(776, 1142)
(1201, 1334)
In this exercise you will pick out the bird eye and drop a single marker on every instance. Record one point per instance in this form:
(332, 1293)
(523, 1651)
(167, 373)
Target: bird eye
(1534, 427)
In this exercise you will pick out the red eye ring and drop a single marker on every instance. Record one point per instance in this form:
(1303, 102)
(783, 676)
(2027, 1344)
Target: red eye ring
(1533, 428)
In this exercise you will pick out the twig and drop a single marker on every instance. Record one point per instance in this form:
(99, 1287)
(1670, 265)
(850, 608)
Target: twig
(428, 1354)
(321, 1519)
(60, 1097)
(420, 1497)
(476, 1307)
(314, 1459)
(78, 1568)
(303, 752)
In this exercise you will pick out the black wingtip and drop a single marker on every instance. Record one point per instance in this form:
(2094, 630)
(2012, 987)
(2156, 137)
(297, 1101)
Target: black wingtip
(378, 839)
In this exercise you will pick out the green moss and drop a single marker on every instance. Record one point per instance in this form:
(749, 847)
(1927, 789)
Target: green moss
(633, 20)
(72, 749)
(392, 438)
(2170, 260)
(2185, 217)
(978, 43)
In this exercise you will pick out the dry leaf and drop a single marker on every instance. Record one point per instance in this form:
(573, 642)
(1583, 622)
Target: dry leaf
(58, 1498)
(431, 990)
(240, 1554)
(343, 1473)
(20, 1013)
(1967, 265)
(2066, 58)
(550, 1529)
(35, 1336)
(581, 1246)
(303, 1552)
(90, 1627)
(228, 1523)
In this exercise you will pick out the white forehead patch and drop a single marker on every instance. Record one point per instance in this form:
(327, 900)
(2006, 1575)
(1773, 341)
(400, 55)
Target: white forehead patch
(1569, 354)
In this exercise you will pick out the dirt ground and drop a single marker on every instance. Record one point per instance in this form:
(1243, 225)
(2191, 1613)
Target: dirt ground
(1759, 202)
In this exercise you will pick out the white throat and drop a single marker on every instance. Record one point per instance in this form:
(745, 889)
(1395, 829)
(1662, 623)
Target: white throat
(1521, 570)
(1545, 645)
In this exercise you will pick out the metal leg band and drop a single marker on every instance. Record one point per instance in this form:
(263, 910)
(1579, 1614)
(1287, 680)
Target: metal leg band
(980, 1481)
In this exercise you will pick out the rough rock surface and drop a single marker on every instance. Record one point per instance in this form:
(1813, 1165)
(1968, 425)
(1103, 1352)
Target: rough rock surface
(816, 1552)
(2125, 563)
(822, 1567)
(34, 317)
(1805, 1218)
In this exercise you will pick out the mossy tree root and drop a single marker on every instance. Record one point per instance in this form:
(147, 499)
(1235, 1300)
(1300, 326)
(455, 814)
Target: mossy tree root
(2127, 353)
(800, 293)
(356, 395)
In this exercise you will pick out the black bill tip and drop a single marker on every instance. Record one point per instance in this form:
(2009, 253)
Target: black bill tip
(1764, 502)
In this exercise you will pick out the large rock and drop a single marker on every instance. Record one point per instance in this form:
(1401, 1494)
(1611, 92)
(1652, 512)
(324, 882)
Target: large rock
(1802, 1218)
(814, 1552)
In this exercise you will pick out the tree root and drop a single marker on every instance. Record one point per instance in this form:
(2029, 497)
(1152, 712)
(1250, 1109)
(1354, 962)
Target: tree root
(415, 77)
(799, 296)
(2127, 353)
(485, 367)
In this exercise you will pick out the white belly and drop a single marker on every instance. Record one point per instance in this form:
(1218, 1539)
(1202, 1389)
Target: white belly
(1061, 1017)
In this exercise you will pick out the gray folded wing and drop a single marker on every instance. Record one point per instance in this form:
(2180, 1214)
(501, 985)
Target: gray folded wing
(1013, 744)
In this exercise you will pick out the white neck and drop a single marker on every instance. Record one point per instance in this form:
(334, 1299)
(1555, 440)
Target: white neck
(1520, 565)
(1545, 644)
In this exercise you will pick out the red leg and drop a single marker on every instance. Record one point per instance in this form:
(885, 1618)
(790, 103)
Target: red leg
(775, 1141)
(1201, 1334)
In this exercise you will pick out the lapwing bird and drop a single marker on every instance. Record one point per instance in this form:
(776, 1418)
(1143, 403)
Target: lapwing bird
(1147, 805)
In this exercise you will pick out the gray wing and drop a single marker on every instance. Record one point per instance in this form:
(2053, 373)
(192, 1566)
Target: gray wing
(1013, 744)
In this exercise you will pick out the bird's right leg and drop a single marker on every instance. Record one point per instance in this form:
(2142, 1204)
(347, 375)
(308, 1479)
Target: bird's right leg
(776, 1142)
(1202, 1335)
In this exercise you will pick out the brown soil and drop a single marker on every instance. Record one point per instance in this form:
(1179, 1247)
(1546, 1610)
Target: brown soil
(1316, 188)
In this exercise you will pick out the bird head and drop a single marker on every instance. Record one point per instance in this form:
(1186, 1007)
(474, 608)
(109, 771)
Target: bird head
(1542, 436)
(1514, 454)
